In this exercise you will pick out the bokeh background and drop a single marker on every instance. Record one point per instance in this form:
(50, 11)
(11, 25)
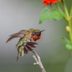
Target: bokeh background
(23, 14)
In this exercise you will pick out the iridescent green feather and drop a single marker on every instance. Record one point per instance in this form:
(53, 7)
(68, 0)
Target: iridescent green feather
(20, 46)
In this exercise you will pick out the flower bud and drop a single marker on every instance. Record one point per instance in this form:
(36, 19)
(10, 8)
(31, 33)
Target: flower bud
(67, 28)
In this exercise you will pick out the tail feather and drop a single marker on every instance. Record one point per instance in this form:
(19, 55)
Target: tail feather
(32, 43)
(28, 47)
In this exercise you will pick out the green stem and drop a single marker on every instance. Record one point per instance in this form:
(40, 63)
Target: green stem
(71, 12)
(66, 12)
(70, 32)
(68, 19)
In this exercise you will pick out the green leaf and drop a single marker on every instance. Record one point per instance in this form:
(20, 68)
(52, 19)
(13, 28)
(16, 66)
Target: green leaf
(50, 14)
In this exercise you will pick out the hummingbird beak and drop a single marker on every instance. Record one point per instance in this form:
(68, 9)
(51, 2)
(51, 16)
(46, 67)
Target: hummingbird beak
(42, 30)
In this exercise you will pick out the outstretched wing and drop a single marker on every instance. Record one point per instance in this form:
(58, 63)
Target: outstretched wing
(16, 35)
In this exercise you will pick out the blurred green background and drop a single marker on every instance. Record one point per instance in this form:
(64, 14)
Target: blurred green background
(23, 14)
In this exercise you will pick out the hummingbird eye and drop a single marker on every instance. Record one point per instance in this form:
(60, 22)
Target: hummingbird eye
(39, 33)
(36, 33)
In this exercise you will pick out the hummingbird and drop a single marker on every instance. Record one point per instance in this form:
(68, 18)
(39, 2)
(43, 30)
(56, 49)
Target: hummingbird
(27, 40)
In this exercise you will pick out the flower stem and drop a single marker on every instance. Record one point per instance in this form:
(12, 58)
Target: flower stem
(68, 19)
(70, 32)
(71, 12)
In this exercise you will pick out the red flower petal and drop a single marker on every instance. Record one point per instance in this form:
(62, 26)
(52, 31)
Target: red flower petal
(49, 2)
(46, 2)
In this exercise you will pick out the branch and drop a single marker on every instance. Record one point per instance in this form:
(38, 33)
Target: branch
(38, 61)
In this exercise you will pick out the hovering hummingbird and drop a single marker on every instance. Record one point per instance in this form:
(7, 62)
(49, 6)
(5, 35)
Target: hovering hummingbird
(27, 40)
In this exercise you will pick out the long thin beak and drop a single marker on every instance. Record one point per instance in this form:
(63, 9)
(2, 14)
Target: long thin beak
(42, 30)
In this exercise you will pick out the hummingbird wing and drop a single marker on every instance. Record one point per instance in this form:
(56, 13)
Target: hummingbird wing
(16, 35)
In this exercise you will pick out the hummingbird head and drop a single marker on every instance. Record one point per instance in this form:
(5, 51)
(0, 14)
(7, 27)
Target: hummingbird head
(36, 35)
